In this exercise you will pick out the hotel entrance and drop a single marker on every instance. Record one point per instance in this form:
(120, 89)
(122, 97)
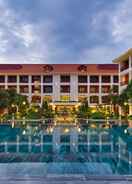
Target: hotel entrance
(65, 112)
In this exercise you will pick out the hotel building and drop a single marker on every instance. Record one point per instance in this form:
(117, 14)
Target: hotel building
(61, 84)
(125, 71)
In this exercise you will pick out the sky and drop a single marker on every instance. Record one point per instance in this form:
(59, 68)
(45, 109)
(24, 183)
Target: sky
(64, 31)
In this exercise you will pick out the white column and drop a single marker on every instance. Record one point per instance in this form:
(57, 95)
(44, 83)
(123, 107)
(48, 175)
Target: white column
(88, 90)
(111, 81)
(100, 92)
(41, 93)
(74, 88)
(56, 87)
(6, 81)
(119, 75)
(30, 88)
(18, 91)
(130, 67)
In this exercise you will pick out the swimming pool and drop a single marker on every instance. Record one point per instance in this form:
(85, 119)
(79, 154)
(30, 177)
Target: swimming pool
(68, 149)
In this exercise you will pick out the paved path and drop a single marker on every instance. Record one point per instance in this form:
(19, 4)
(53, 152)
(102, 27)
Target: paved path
(67, 180)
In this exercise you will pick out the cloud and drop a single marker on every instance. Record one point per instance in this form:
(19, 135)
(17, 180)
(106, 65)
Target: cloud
(122, 23)
(64, 31)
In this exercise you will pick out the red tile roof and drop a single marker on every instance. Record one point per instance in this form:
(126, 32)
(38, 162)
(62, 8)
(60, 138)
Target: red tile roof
(58, 68)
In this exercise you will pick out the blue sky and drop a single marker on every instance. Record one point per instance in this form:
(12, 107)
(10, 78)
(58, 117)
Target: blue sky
(64, 31)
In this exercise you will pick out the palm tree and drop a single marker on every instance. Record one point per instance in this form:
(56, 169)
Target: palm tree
(84, 111)
(126, 98)
(4, 100)
(114, 101)
(46, 110)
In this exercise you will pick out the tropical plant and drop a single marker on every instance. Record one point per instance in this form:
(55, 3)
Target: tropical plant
(46, 110)
(84, 111)
(4, 100)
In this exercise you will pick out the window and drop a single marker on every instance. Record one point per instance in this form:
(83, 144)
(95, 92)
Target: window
(82, 89)
(94, 99)
(36, 78)
(64, 89)
(65, 78)
(94, 89)
(23, 79)
(2, 79)
(2, 87)
(115, 79)
(47, 89)
(24, 89)
(12, 88)
(105, 89)
(94, 79)
(106, 79)
(115, 89)
(105, 99)
(48, 79)
(82, 79)
(12, 79)
(65, 98)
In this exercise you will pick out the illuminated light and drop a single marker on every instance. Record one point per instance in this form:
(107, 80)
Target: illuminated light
(93, 110)
(36, 128)
(12, 105)
(66, 130)
(24, 103)
(125, 103)
(93, 126)
(36, 110)
(24, 132)
(13, 124)
(51, 130)
(79, 129)
(125, 131)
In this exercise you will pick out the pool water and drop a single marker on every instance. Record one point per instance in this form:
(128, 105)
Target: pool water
(67, 149)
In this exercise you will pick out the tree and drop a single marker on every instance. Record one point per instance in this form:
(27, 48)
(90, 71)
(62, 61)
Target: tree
(114, 101)
(46, 110)
(125, 98)
(84, 110)
(4, 100)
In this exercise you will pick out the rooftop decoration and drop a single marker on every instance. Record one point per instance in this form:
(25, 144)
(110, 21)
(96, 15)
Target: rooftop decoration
(48, 68)
(82, 68)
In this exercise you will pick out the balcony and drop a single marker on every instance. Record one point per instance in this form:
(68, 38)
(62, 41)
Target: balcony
(106, 79)
(94, 79)
(2, 79)
(47, 79)
(94, 89)
(36, 78)
(94, 99)
(105, 89)
(82, 79)
(124, 65)
(12, 79)
(23, 79)
(65, 78)
(24, 89)
(47, 89)
(82, 89)
(65, 89)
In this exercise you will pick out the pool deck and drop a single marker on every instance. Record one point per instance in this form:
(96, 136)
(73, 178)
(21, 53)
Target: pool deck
(67, 179)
